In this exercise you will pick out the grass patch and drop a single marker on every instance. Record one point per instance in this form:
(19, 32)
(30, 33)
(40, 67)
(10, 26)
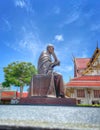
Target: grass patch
(88, 105)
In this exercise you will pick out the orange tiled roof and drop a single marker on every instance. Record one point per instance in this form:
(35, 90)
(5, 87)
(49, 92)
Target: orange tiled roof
(11, 94)
(86, 81)
(8, 94)
(81, 84)
(81, 63)
(24, 94)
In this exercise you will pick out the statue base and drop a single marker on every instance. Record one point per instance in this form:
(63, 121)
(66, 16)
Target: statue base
(36, 100)
(40, 86)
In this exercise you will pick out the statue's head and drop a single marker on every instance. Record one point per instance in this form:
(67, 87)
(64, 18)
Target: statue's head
(50, 48)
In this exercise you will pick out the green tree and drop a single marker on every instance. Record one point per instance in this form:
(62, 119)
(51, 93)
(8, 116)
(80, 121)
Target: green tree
(19, 74)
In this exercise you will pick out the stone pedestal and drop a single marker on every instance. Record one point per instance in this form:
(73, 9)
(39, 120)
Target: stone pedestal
(41, 91)
(41, 86)
(35, 100)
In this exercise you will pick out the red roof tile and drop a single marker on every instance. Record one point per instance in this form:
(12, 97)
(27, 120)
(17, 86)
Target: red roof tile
(81, 62)
(85, 84)
(87, 77)
(11, 94)
(8, 94)
(86, 81)
(24, 94)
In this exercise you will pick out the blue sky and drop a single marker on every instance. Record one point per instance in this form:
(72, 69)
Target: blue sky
(27, 26)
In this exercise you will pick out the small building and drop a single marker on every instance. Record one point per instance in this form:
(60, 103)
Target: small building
(85, 86)
(8, 96)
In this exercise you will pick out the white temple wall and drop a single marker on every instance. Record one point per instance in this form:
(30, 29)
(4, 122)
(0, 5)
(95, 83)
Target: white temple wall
(89, 95)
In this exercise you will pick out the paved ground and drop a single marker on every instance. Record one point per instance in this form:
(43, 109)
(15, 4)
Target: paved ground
(51, 117)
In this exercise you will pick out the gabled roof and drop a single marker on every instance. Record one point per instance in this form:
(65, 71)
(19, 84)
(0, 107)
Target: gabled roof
(82, 66)
(81, 63)
(94, 60)
(95, 55)
(84, 81)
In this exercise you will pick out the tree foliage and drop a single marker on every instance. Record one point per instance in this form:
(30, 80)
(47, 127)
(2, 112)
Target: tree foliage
(18, 74)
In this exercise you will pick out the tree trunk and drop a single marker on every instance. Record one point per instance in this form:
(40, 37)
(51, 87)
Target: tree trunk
(21, 91)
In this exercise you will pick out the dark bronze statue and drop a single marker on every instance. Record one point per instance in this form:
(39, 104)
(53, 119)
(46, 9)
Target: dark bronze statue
(46, 66)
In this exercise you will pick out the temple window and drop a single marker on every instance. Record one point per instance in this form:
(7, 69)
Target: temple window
(96, 93)
(80, 93)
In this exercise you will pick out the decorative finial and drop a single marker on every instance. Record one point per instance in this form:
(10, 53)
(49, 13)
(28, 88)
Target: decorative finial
(97, 45)
(73, 57)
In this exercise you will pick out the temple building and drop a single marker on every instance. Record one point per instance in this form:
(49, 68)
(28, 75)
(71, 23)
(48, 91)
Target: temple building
(85, 86)
(7, 95)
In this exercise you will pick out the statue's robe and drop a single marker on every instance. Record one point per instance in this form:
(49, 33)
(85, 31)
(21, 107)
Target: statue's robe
(44, 63)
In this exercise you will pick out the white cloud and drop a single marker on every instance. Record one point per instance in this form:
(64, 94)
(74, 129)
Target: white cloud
(73, 13)
(28, 44)
(70, 18)
(59, 38)
(20, 3)
(24, 4)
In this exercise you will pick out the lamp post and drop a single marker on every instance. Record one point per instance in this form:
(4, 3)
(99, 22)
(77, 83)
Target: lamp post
(0, 94)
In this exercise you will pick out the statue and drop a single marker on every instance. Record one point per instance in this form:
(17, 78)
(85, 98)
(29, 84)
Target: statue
(41, 84)
(46, 66)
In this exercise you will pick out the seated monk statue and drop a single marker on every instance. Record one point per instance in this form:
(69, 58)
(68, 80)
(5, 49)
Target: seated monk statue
(46, 66)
